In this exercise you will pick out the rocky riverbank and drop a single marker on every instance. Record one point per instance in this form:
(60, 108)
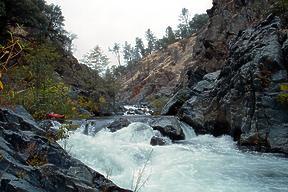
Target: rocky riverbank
(243, 99)
(30, 160)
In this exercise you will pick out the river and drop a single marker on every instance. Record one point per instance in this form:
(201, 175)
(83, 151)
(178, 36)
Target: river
(198, 164)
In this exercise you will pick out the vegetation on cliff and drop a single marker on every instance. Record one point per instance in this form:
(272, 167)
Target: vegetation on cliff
(38, 70)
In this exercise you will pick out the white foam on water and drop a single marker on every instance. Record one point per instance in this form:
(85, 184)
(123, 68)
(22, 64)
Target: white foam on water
(202, 164)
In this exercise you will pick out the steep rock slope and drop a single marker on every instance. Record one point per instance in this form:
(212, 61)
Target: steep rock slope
(247, 75)
(186, 62)
(77, 75)
(226, 19)
(159, 73)
(243, 99)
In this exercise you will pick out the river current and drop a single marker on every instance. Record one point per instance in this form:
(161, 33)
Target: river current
(198, 164)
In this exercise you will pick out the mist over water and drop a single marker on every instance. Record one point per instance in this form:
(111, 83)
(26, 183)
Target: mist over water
(200, 164)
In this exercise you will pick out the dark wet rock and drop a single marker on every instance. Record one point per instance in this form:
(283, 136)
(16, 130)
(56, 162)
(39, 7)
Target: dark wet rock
(207, 83)
(169, 131)
(85, 112)
(226, 19)
(9, 116)
(21, 111)
(118, 124)
(155, 140)
(243, 100)
(169, 127)
(46, 124)
(194, 76)
(30, 162)
(173, 105)
(285, 50)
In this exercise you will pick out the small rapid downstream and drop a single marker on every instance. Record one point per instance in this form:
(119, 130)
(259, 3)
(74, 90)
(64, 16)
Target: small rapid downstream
(198, 164)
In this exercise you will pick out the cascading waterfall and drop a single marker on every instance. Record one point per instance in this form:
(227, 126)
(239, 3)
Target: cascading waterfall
(201, 164)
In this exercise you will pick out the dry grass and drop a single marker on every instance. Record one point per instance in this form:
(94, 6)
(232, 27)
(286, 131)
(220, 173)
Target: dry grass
(139, 180)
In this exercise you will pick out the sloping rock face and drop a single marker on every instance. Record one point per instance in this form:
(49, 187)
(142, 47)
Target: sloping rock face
(30, 162)
(244, 100)
(158, 74)
(226, 19)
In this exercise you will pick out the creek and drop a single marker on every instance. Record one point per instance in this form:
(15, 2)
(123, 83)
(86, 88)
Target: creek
(198, 164)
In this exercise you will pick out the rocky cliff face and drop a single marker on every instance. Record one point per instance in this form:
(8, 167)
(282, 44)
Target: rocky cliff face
(243, 99)
(186, 62)
(247, 70)
(226, 19)
(158, 74)
(29, 161)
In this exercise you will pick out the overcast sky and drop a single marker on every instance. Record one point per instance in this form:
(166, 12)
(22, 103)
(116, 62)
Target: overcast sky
(104, 22)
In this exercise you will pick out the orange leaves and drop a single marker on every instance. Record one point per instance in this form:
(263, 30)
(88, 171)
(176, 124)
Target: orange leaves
(1, 86)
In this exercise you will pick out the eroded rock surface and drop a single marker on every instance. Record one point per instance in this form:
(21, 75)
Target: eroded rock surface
(29, 161)
(244, 100)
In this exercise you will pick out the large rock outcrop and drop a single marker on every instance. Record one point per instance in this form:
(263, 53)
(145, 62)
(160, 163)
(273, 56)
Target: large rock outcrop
(226, 19)
(244, 100)
(158, 74)
(29, 161)
(183, 64)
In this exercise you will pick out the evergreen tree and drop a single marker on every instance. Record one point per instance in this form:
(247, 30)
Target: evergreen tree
(116, 51)
(24, 12)
(127, 52)
(184, 16)
(151, 39)
(140, 46)
(183, 30)
(197, 22)
(68, 45)
(96, 59)
(170, 35)
(55, 20)
(112, 85)
(135, 54)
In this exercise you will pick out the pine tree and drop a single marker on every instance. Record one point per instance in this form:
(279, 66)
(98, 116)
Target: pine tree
(151, 39)
(96, 59)
(140, 46)
(170, 35)
(116, 51)
(197, 22)
(127, 52)
(183, 30)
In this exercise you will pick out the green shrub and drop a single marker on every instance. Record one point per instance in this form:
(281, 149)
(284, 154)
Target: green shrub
(34, 85)
(158, 103)
(282, 98)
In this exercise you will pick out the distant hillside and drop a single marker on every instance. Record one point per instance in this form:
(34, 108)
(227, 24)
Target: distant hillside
(37, 67)
(158, 74)
(163, 73)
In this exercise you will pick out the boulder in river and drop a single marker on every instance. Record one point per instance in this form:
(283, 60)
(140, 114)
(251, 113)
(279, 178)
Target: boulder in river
(168, 126)
(118, 124)
(155, 140)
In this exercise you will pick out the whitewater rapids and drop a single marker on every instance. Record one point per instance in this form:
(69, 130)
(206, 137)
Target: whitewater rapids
(198, 164)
